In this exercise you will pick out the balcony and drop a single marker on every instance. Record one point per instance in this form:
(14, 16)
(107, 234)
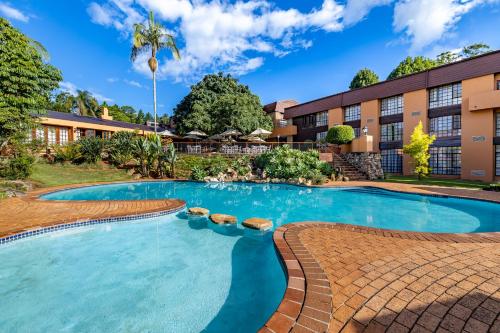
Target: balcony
(486, 100)
(283, 129)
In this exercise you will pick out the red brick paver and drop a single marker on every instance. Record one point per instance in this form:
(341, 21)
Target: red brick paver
(391, 281)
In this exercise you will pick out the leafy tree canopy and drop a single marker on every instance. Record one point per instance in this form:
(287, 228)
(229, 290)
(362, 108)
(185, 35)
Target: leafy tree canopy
(472, 50)
(412, 65)
(26, 80)
(363, 78)
(219, 102)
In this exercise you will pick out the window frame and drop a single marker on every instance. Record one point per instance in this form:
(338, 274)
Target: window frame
(392, 160)
(394, 132)
(394, 105)
(322, 119)
(352, 112)
(446, 160)
(446, 126)
(446, 95)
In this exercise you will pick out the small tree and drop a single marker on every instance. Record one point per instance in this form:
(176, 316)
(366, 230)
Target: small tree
(418, 149)
(340, 134)
(364, 77)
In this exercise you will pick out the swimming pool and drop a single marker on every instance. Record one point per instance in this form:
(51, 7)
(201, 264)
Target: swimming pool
(288, 203)
(180, 274)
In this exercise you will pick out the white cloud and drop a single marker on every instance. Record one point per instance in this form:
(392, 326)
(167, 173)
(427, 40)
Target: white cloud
(13, 13)
(133, 83)
(112, 79)
(237, 36)
(356, 10)
(72, 89)
(426, 21)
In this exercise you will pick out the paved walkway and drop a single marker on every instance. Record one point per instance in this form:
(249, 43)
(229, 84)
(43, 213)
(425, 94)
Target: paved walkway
(26, 213)
(358, 279)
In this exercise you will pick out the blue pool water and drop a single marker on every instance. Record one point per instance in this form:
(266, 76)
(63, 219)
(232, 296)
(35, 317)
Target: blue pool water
(164, 274)
(180, 274)
(287, 203)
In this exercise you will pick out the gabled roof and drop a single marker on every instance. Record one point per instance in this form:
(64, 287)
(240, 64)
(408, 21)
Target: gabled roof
(488, 63)
(97, 121)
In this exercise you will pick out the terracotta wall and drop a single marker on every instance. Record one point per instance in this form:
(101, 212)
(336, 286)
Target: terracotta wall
(335, 117)
(477, 132)
(370, 112)
(414, 110)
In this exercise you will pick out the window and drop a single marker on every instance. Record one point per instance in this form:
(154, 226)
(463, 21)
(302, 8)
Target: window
(498, 124)
(391, 132)
(392, 160)
(497, 160)
(309, 121)
(391, 105)
(445, 160)
(106, 135)
(445, 95)
(445, 126)
(51, 135)
(498, 84)
(321, 136)
(352, 112)
(90, 133)
(78, 134)
(63, 136)
(40, 133)
(321, 119)
(357, 132)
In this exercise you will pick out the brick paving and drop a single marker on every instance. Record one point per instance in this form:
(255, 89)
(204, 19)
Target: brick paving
(360, 279)
(26, 213)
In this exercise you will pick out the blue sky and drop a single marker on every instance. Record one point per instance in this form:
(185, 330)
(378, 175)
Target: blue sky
(282, 49)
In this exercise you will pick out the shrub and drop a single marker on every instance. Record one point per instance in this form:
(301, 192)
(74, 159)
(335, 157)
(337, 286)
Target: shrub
(286, 163)
(418, 149)
(90, 149)
(67, 153)
(198, 173)
(340, 134)
(121, 147)
(18, 167)
(242, 165)
(492, 187)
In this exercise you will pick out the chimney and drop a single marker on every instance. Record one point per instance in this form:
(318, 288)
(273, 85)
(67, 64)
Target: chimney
(105, 115)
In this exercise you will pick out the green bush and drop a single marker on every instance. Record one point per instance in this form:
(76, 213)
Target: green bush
(286, 163)
(121, 147)
(90, 149)
(67, 153)
(340, 134)
(198, 173)
(242, 165)
(18, 167)
(492, 187)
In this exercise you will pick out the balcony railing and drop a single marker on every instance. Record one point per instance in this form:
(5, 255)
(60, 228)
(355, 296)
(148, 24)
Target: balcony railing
(241, 148)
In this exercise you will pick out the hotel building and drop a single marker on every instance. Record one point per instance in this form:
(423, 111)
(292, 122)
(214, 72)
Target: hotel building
(459, 103)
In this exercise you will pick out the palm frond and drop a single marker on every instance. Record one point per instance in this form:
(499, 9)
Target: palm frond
(40, 49)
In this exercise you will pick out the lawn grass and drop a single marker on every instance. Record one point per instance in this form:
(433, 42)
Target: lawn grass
(45, 174)
(435, 181)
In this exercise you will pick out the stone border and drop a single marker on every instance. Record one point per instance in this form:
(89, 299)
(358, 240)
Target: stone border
(87, 222)
(306, 305)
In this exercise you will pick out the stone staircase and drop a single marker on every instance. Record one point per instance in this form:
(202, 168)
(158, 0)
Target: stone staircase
(348, 169)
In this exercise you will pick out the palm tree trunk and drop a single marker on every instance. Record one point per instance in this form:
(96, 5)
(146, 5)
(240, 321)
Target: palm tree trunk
(154, 96)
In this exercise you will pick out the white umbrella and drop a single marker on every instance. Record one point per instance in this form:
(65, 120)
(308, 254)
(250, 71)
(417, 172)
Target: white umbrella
(260, 132)
(197, 133)
(252, 138)
(216, 137)
(167, 133)
(231, 132)
(192, 137)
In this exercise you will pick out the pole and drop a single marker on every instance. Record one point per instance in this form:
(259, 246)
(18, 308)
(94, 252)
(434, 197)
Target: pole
(154, 96)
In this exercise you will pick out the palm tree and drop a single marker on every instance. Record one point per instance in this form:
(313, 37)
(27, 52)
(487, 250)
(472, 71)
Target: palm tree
(152, 38)
(86, 104)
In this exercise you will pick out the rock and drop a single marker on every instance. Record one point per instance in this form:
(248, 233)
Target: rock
(346, 179)
(136, 176)
(258, 223)
(223, 219)
(198, 211)
(130, 172)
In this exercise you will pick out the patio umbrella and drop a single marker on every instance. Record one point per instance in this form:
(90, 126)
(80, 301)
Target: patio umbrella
(168, 134)
(197, 133)
(216, 137)
(252, 138)
(231, 132)
(260, 132)
(192, 137)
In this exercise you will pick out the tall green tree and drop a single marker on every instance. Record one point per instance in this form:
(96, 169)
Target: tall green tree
(219, 102)
(412, 65)
(447, 57)
(418, 149)
(363, 78)
(64, 102)
(152, 38)
(474, 50)
(26, 81)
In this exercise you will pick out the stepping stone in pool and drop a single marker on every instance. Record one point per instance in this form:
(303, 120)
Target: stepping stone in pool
(223, 219)
(258, 223)
(199, 211)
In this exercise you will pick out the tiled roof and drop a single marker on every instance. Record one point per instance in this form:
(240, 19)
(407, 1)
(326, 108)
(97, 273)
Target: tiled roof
(97, 121)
